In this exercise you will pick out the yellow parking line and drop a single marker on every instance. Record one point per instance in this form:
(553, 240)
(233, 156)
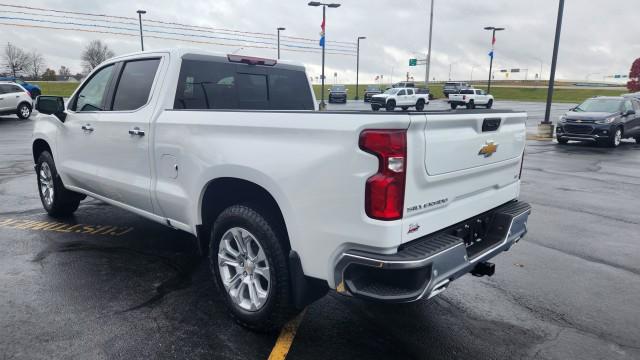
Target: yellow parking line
(27, 224)
(288, 332)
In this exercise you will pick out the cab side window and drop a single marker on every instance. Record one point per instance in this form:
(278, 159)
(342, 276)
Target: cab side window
(627, 106)
(4, 89)
(409, 92)
(134, 85)
(402, 92)
(91, 96)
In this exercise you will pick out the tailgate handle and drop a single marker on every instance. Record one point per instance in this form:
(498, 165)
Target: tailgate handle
(490, 124)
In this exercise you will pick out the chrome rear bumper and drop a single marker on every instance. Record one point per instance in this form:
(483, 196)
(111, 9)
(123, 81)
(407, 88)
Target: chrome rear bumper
(426, 266)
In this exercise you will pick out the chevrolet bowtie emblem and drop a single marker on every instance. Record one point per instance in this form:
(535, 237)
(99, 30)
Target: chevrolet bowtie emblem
(488, 149)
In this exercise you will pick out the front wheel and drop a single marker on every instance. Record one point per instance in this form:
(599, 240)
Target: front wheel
(489, 104)
(471, 105)
(56, 200)
(375, 107)
(615, 138)
(23, 111)
(420, 105)
(562, 141)
(454, 106)
(247, 258)
(390, 106)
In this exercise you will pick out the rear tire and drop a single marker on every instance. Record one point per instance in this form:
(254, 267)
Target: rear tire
(489, 104)
(390, 106)
(471, 105)
(253, 265)
(453, 106)
(375, 107)
(23, 111)
(56, 200)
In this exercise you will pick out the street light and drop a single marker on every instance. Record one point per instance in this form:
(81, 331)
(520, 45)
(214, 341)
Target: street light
(358, 63)
(493, 41)
(323, 106)
(450, 66)
(140, 12)
(428, 67)
(279, 29)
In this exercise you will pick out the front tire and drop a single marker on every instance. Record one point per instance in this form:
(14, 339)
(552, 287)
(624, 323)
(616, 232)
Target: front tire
(489, 104)
(615, 138)
(375, 107)
(562, 141)
(248, 262)
(23, 111)
(390, 106)
(454, 106)
(420, 105)
(471, 105)
(56, 200)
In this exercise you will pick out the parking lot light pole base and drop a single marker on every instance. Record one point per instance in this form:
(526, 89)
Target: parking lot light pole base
(545, 131)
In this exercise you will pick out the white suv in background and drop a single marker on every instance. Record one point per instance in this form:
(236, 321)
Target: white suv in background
(14, 99)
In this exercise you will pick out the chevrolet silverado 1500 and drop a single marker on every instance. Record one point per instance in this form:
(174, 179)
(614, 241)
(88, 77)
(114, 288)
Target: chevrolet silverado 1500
(288, 202)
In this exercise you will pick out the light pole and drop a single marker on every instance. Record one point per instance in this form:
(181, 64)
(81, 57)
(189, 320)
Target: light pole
(493, 42)
(358, 63)
(279, 29)
(540, 75)
(552, 74)
(140, 12)
(450, 66)
(323, 106)
(426, 77)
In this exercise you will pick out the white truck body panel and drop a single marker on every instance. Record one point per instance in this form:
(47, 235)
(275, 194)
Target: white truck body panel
(309, 162)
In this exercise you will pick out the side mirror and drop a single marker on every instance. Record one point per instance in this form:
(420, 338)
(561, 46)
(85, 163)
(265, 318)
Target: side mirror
(51, 105)
(630, 112)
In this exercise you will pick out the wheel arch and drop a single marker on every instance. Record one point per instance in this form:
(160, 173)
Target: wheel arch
(39, 145)
(220, 193)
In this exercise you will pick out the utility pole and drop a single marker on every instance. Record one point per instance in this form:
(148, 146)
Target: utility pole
(279, 29)
(493, 42)
(358, 63)
(323, 105)
(426, 77)
(140, 12)
(554, 60)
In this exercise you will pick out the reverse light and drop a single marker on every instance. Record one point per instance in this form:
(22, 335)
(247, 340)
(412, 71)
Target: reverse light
(384, 191)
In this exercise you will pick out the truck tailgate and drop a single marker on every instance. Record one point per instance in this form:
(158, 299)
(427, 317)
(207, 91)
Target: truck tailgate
(460, 165)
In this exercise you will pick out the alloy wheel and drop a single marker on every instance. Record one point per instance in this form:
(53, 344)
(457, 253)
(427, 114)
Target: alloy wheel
(46, 183)
(244, 269)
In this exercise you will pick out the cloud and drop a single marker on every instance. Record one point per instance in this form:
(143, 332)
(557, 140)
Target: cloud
(597, 37)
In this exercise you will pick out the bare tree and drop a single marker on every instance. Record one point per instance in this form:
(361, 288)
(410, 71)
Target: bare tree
(35, 65)
(64, 71)
(15, 59)
(49, 75)
(95, 53)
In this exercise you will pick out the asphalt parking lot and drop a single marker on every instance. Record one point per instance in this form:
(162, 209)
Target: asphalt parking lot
(107, 284)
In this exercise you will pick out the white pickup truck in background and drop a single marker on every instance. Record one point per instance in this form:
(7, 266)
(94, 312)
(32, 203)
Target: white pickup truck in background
(403, 98)
(286, 201)
(471, 98)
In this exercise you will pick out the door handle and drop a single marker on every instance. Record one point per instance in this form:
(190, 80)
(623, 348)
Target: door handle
(87, 127)
(136, 131)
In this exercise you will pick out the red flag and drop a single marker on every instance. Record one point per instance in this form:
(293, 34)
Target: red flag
(322, 25)
(493, 41)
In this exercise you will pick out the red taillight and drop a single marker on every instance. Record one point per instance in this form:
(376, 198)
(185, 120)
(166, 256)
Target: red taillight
(384, 192)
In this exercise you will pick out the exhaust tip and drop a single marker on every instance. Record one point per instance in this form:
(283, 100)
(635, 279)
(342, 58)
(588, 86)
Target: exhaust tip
(484, 269)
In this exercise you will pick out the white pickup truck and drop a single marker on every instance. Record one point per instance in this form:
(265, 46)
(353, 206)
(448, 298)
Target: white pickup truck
(403, 98)
(287, 202)
(471, 98)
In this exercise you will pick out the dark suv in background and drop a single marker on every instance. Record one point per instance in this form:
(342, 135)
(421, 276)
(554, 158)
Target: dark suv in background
(603, 119)
(338, 93)
(370, 91)
(453, 87)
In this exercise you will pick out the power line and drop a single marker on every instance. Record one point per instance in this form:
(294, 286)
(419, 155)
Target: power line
(336, 46)
(153, 31)
(163, 22)
(159, 37)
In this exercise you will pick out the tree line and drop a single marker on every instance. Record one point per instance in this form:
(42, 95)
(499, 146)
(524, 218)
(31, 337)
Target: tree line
(31, 65)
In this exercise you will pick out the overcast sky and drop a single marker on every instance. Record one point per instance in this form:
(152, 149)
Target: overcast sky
(599, 38)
